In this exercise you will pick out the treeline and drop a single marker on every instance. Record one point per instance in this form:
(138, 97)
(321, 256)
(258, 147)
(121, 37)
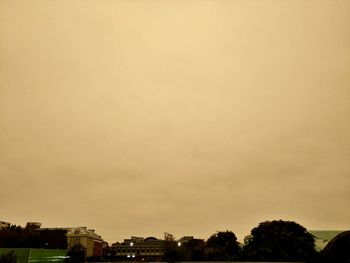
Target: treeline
(18, 237)
(270, 241)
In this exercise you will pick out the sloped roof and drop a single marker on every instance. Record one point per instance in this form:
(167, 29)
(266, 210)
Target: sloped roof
(83, 231)
(323, 237)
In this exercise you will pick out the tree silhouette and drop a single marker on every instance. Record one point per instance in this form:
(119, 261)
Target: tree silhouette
(18, 237)
(9, 257)
(194, 250)
(222, 246)
(171, 250)
(279, 241)
(76, 254)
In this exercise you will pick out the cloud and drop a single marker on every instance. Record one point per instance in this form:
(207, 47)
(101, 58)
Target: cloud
(137, 118)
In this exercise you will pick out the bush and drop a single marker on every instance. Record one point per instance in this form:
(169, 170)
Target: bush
(9, 257)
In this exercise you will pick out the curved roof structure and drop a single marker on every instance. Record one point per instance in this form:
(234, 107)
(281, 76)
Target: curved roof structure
(337, 250)
(150, 239)
(323, 237)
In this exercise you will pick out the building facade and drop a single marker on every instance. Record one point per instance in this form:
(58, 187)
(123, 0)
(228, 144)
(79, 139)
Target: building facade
(32, 226)
(139, 248)
(92, 242)
(87, 238)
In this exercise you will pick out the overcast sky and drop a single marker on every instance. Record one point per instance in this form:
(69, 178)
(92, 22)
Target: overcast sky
(143, 117)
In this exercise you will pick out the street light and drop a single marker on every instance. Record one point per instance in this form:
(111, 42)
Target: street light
(131, 255)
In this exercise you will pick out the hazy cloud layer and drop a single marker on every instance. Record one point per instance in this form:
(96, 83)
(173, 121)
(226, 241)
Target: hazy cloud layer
(140, 117)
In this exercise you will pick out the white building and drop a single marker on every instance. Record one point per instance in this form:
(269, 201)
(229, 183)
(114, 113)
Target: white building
(140, 248)
(86, 237)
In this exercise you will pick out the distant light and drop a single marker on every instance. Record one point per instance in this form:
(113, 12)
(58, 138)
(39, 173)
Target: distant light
(133, 256)
(128, 256)
(179, 244)
(131, 244)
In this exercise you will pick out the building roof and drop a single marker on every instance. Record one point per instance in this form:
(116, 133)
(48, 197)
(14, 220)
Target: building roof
(323, 237)
(343, 238)
(83, 231)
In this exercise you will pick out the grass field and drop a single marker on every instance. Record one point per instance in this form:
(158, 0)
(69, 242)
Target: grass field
(36, 255)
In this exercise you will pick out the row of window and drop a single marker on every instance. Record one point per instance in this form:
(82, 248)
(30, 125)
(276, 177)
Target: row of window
(140, 251)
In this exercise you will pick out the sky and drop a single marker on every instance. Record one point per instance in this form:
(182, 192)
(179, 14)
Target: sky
(189, 117)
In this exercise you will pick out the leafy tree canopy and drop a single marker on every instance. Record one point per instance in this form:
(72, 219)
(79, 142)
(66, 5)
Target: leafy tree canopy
(171, 252)
(18, 237)
(279, 241)
(76, 254)
(194, 250)
(222, 246)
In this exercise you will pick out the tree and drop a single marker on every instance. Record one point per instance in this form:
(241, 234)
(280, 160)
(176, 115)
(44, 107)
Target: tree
(109, 253)
(279, 241)
(18, 237)
(194, 250)
(222, 246)
(76, 254)
(169, 237)
(12, 236)
(54, 239)
(9, 257)
(171, 250)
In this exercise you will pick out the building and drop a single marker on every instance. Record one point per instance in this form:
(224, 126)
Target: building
(32, 226)
(139, 248)
(4, 224)
(67, 237)
(337, 250)
(184, 240)
(81, 235)
(323, 237)
(86, 237)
